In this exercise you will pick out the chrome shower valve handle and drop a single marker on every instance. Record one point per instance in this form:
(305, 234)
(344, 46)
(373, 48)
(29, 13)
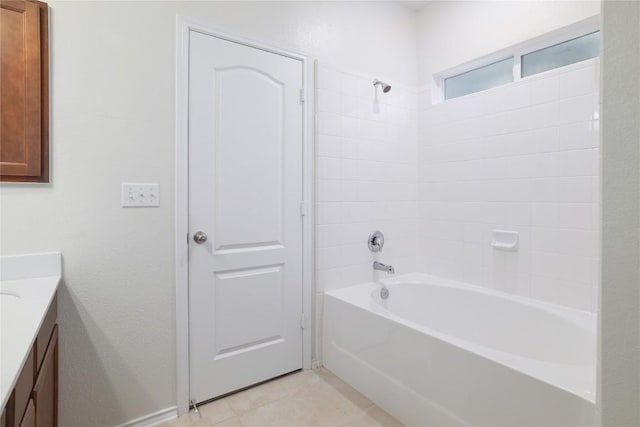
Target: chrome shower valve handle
(376, 241)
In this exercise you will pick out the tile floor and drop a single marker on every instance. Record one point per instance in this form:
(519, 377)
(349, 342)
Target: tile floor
(304, 399)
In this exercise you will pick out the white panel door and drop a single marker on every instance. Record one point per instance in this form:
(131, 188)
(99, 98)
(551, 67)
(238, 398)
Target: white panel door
(245, 189)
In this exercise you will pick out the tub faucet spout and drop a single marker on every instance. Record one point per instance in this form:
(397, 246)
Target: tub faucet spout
(383, 267)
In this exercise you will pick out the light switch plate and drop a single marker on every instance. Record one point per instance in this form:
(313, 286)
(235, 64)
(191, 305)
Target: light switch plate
(140, 195)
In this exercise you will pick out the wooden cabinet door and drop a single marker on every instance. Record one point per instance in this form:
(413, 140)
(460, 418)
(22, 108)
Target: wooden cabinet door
(24, 387)
(29, 419)
(23, 91)
(45, 391)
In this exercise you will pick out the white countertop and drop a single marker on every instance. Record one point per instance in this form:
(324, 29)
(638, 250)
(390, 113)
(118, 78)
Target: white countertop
(27, 287)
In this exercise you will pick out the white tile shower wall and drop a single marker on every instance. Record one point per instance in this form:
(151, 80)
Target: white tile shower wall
(522, 157)
(366, 179)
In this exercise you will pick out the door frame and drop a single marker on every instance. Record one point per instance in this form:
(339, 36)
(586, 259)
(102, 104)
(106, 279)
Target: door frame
(183, 27)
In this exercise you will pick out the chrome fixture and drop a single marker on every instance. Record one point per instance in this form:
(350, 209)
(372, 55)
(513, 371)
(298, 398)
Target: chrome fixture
(376, 241)
(385, 86)
(384, 291)
(383, 267)
(200, 237)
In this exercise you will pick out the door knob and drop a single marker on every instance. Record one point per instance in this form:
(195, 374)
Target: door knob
(200, 237)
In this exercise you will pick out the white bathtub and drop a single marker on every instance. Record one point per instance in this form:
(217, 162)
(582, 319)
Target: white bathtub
(443, 353)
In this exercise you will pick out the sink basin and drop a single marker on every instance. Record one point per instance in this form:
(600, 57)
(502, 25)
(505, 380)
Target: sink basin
(8, 294)
(9, 301)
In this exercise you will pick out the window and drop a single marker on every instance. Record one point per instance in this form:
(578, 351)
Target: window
(569, 45)
(561, 54)
(482, 78)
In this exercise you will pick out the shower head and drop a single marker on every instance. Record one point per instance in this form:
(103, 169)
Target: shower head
(385, 87)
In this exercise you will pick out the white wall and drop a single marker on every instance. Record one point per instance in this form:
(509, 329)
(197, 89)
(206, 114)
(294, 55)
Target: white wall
(112, 71)
(451, 33)
(366, 176)
(620, 298)
(521, 157)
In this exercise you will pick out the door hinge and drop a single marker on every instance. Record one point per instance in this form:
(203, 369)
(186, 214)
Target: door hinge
(303, 321)
(301, 95)
(303, 208)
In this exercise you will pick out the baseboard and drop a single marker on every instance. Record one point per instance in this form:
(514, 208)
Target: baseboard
(154, 419)
(316, 363)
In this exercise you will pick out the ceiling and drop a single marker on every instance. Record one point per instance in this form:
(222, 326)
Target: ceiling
(416, 4)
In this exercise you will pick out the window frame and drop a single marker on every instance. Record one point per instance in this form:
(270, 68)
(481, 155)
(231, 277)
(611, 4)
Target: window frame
(561, 35)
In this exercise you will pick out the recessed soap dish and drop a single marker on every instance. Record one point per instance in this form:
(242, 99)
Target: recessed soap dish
(505, 240)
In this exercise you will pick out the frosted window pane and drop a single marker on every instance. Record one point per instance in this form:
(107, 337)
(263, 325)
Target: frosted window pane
(569, 52)
(482, 78)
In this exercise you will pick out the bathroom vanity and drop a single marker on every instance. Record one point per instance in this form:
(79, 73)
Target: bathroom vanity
(29, 340)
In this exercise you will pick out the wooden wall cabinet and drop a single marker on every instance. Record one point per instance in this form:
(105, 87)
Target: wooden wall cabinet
(34, 400)
(24, 91)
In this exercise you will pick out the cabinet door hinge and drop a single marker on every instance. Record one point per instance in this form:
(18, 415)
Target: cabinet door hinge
(301, 95)
(303, 321)
(303, 208)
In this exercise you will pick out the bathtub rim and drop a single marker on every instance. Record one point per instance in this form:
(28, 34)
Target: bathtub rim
(354, 295)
